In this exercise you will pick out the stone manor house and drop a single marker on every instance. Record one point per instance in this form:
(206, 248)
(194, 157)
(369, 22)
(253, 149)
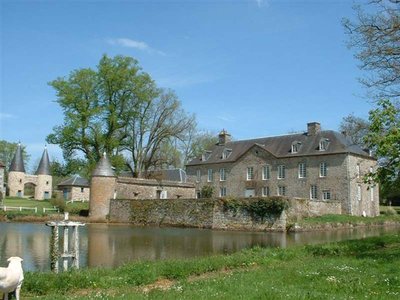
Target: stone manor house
(318, 165)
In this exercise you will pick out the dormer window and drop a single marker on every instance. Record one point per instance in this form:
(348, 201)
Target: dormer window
(226, 153)
(323, 144)
(206, 155)
(296, 147)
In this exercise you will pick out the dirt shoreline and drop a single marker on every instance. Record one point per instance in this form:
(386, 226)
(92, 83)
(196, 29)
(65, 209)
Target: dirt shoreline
(296, 227)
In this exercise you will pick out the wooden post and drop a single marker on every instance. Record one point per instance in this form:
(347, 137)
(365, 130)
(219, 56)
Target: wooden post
(54, 254)
(67, 252)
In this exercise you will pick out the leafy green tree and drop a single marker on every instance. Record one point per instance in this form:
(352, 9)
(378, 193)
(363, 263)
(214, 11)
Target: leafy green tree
(375, 35)
(384, 138)
(97, 106)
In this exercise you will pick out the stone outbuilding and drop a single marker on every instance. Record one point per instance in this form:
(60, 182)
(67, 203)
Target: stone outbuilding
(105, 185)
(42, 180)
(75, 188)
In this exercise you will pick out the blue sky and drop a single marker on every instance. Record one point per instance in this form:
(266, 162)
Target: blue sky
(255, 68)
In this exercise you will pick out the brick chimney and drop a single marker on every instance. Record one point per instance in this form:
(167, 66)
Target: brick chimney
(313, 128)
(223, 137)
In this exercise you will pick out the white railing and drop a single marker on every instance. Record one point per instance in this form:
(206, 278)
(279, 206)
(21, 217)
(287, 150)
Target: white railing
(18, 208)
(21, 208)
(79, 200)
(50, 209)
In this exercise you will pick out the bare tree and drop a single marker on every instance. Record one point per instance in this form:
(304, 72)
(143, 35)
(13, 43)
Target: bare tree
(355, 129)
(159, 120)
(376, 38)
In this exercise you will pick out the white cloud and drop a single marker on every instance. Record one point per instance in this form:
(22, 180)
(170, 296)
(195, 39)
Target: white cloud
(4, 116)
(129, 43)
(261, 3)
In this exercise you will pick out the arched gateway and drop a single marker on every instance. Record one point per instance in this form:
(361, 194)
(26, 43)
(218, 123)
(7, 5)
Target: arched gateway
(42, 180)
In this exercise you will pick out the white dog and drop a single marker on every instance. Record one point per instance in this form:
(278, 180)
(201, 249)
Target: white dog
(11, 277)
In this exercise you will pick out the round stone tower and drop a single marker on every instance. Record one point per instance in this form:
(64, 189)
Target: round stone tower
(43, 188)
(102, 188)
(16, 174)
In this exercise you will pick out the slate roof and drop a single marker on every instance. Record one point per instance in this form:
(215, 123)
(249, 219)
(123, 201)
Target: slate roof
(103, 168)
(44, 165)
(75, 180)
(177, 175)
(17, 163)
(280, 147)
(2, 164)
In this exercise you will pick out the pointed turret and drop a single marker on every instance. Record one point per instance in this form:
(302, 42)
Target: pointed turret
(103, 168)
(17, 164)
(44, 165)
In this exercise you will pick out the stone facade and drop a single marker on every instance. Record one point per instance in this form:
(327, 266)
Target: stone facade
(102, 189)
(264, 169)
(210, 213)
(76, 193)
(17, 178)
(135, 188)
(16, 184)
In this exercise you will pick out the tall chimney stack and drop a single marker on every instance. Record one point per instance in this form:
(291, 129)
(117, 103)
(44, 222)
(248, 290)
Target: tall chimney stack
(313, 128)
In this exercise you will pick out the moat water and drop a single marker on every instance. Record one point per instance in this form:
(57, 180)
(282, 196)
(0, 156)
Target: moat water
(113, 245)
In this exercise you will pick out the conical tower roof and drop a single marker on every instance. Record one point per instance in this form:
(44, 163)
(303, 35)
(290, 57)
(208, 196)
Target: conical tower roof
(17, 164)
(44, 165)
(103, 168)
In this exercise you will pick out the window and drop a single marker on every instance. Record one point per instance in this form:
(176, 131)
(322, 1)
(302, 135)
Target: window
(359, 192)
(222, 175)
(206, 155)
(358, 170)
(313, 192)
(371, 191)
(82, 189)
(302, 170)
(226, 153)
(198, 175)
(198, 194)
(265, 191)
(47, 183)
(326, 194)
(222, 192)
(210, 175)
(281, 190)
(250, 173)
(266, 172)
(281, 172)
(323, 170)
(323, 144)
(296, 147)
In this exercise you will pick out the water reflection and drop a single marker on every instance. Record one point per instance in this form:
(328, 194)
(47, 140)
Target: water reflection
(113, 245)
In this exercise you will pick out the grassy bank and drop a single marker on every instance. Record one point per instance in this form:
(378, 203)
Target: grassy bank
(367, 269)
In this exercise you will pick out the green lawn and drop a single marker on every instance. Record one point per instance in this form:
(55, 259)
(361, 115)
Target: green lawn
(23, 202)
(358, 269)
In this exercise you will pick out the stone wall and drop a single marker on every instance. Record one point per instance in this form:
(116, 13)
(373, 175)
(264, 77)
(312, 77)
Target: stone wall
(136, 188)
(303, 208)
(210, 213)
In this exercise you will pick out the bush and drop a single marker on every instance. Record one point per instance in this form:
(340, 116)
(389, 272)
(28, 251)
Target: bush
(60, 203)
(258, 208)
(207, 191)
(390, 211)
(267, 206)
